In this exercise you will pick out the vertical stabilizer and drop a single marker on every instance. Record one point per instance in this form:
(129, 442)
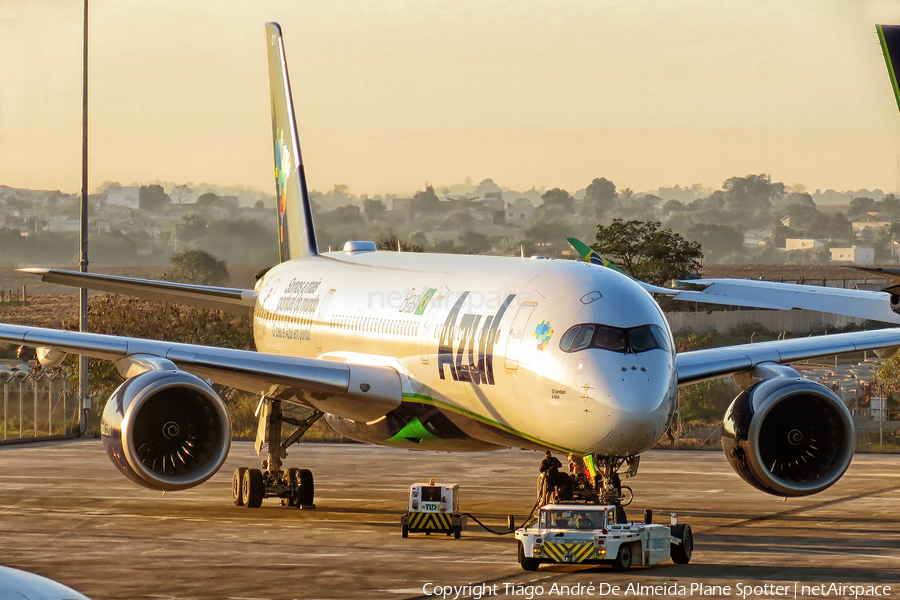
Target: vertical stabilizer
(889, 36)
(296, 235)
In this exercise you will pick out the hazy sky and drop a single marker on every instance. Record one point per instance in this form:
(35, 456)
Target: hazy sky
(390, 94)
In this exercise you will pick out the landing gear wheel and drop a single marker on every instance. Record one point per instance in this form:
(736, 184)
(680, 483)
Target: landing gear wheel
(528, 564)
(304, 488)
(237, 486)
(404, 530)
(622, 562)
(253, 488)
(290, 477)
(681, 553)
(627, 495)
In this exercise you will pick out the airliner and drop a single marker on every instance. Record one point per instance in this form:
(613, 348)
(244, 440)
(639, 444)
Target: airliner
(441, 352)
(16, 584)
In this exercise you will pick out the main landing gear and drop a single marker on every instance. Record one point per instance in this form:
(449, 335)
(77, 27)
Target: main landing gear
(295, 487)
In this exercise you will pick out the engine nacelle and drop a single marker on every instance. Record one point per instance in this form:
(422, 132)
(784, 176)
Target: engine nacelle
(895, 303)
(166, 430)
(788, 436)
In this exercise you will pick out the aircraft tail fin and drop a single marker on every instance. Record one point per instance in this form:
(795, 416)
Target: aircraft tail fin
(889, 36)
(296, 234)
(589, 255)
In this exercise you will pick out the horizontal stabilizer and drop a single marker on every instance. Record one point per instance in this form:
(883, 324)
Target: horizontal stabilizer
(234, 300)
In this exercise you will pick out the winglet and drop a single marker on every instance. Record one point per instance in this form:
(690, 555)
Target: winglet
(296, 234)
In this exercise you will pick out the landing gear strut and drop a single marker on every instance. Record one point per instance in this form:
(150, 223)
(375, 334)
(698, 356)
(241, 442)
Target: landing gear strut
(295, 487)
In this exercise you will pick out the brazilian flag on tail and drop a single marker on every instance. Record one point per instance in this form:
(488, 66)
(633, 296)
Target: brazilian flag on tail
(889, 36)
(592, 257)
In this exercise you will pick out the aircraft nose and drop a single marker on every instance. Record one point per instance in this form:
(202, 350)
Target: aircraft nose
(630, 398)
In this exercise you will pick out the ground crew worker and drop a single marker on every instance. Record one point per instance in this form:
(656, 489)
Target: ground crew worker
(550, 467)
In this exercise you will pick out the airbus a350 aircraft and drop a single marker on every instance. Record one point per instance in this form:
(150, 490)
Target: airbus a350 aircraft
(442, 352)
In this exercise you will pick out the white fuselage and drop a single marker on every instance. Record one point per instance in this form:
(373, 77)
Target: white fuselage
(479, 337)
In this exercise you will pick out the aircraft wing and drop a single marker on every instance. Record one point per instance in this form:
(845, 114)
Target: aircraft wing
(234, 300)
(591, 256)
(701, 365)
(853, 303)
(331, 387)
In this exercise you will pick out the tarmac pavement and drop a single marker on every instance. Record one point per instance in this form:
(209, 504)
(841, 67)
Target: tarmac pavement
(67, 514)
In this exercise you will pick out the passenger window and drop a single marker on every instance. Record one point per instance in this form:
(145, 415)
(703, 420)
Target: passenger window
(583, 339)
(610, 338)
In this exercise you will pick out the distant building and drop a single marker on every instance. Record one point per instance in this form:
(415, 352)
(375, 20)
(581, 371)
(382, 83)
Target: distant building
(802, 244)
(869, 223)
(124, 196)
(856, 255)
(519, 212)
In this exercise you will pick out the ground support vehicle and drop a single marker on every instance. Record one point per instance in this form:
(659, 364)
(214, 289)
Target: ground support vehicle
(433, 509)
(589, 534)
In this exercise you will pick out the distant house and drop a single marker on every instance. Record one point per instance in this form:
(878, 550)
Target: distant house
(128, 197)
(519, 212)
(802, 244)
(856, 255)
(869, 223)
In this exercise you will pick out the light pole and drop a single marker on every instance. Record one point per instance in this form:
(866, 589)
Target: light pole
(83, 252)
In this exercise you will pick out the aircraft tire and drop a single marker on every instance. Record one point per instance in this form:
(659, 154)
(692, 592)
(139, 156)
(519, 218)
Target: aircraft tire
(253, 488)
(305, 488)
(291, 477)
(237, 486)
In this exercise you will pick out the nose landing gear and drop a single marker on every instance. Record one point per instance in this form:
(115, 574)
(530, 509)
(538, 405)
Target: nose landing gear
(592, 479)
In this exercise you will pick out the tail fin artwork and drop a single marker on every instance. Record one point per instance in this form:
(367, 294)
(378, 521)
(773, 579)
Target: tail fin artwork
(296, 235)
(592, 257)
(889, 36)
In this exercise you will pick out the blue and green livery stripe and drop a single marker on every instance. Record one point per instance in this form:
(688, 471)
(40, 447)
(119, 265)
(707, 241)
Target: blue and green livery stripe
(423, 399)
(889, 37)
(413, 430)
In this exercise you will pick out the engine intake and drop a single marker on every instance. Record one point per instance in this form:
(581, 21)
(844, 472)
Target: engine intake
(788, 436)
(166, 430)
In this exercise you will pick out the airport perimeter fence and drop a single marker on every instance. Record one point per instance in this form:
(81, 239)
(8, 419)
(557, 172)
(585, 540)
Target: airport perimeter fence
(36, 405)
(796, 321)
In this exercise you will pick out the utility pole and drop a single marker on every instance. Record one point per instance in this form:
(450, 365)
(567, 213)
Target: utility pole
(84, 402)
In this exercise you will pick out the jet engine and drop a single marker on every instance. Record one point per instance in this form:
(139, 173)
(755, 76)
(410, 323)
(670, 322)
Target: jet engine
(166, 430)
(788, 436)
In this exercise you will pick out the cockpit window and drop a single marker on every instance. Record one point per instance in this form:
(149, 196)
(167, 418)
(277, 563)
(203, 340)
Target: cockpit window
(641, 339)
(565, 341)
(617, 339)
(610, 338)
(584, 337)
